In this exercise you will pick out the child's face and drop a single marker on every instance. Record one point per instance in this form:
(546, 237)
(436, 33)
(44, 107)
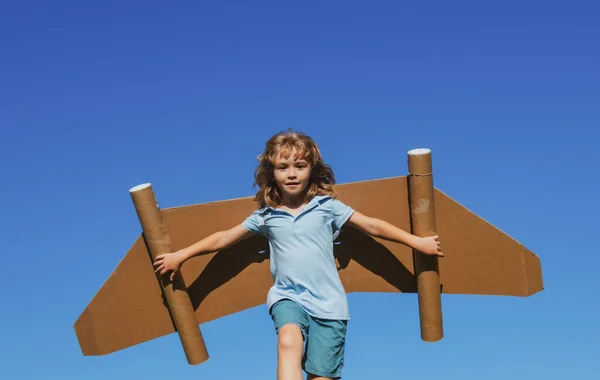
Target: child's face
(291, 175)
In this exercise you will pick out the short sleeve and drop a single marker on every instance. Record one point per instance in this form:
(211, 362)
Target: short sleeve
(253, 223)
(340, 213)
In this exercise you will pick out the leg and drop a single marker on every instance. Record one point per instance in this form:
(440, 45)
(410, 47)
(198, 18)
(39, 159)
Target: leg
(290, 346)
(325, 346)
(291, 324)
(315, 377)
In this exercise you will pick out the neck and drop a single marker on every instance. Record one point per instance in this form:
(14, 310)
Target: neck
(293, 201)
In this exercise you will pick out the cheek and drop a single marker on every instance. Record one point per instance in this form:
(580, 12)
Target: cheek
(306, 175)
(279, 176)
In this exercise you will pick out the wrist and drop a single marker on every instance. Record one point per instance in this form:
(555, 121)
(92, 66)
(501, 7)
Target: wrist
(415, 242)
(182, 255)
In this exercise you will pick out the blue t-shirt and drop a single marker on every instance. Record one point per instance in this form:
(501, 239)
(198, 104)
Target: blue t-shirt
(302, 262)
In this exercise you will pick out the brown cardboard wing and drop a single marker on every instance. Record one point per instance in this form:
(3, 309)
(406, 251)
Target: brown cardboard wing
(130, 308)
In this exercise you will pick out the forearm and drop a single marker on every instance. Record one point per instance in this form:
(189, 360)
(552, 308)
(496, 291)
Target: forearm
(211, 243)
(384, 230)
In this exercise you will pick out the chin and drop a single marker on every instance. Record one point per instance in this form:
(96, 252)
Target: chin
(293, 192)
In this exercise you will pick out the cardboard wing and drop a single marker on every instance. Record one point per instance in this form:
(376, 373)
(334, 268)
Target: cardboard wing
(130, 308)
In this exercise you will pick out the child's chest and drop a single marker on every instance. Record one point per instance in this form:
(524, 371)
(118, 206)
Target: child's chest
(282, 224)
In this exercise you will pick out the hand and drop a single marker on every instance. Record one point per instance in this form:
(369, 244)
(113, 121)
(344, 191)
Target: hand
(429, 245)
(168, 262)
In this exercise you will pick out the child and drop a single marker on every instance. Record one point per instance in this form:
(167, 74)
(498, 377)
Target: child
(299, 214)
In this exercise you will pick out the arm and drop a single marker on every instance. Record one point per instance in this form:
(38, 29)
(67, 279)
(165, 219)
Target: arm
(212, 243)
(384, 230)
(215, 242)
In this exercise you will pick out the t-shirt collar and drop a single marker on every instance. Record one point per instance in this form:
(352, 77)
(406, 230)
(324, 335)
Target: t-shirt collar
(310, 204)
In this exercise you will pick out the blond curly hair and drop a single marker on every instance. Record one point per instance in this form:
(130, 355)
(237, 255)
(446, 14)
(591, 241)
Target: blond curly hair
(321, 180)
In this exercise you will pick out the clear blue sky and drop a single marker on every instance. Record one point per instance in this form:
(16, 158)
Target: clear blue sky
(97, 97)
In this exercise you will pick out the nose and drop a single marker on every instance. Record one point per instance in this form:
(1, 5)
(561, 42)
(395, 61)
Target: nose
(292, 173)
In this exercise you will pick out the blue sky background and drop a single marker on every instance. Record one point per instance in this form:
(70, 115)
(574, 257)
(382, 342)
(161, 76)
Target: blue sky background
(97, 97)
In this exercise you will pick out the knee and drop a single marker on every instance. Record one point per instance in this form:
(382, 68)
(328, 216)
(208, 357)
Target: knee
(290, 337)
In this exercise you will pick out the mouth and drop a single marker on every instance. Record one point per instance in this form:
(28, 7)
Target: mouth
(292, 184)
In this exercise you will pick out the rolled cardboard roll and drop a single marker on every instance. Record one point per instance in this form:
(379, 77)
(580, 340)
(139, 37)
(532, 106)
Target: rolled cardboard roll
(422, 216)
(158, 241)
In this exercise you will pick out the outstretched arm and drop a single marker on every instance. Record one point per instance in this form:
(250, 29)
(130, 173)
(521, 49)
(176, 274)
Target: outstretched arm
(212, 243)
(381, 229)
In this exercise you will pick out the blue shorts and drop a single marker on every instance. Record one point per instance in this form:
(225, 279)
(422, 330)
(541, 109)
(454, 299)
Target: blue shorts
(325, 339)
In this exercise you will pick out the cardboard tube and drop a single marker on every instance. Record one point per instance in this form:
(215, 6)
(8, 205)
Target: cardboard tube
(422, 215)
(158, 242)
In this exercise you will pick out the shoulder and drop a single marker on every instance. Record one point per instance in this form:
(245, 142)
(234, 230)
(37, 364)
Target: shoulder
(331, 201)
(321, 199)
(260, 211)
(260, 215)
(331, 204)
(255, 222)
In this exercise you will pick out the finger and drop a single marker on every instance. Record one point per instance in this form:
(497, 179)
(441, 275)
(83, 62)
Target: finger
(157, 263)
(172, 276)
